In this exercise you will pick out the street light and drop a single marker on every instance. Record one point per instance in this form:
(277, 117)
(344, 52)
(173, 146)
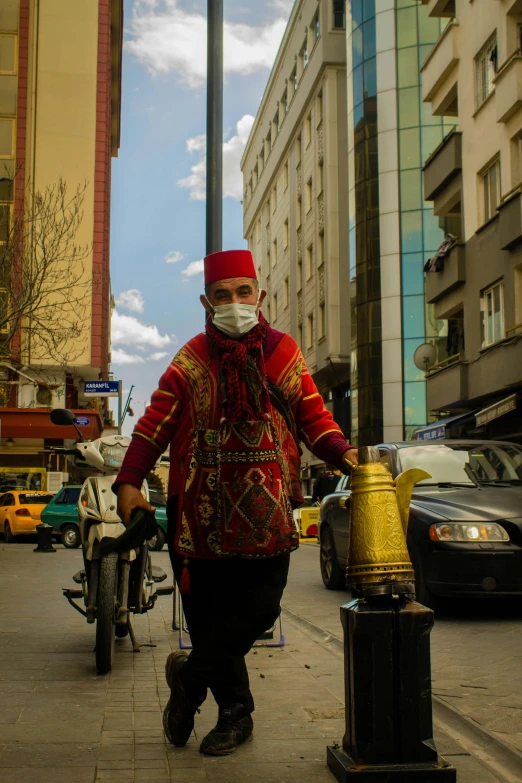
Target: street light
(214, 233)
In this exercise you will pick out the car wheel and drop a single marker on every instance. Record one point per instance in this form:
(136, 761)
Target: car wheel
(423, 594)
(157, 543)
(8, 535)
(332, 574)
(71, 536)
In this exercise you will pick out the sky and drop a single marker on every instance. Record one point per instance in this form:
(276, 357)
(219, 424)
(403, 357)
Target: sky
(158, 186)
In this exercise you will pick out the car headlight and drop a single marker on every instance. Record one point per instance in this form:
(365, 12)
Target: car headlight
(468, 532)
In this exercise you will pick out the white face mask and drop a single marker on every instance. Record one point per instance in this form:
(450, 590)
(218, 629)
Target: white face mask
(235, 319)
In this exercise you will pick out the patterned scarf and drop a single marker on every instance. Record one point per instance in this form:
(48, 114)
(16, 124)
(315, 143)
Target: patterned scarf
(241, 362)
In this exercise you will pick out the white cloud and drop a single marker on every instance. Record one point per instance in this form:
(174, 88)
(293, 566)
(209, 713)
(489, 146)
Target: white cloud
(194, 268)
(131, 300)
(174, 256)
(122, 357)
(155, 357)
(232, 152)
(128, 330)
(169, 38)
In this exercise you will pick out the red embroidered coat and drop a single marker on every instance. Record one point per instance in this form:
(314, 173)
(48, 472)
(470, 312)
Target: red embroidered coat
(183, 399)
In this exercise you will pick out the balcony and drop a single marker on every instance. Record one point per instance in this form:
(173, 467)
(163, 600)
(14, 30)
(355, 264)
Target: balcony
(510, 222)
(508, 88)
(439, 72)
(447, 384)
(451, 276)
(443, 165)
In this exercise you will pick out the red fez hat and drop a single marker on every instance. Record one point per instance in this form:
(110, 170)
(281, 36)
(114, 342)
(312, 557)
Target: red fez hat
(227, 264)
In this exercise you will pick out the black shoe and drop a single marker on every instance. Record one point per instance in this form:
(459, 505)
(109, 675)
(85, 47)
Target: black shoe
(178, 716)
(232, 729)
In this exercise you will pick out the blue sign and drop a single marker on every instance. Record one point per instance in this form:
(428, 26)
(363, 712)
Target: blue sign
(101, 388)
(432, 434)
(83, 421)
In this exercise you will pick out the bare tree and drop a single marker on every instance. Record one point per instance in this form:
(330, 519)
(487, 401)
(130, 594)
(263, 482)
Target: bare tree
(44, 289)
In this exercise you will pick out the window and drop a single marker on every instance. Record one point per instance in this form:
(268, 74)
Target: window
(492, 306)
(322, 321)
(259, 274)
(491, 189)
(339, 21)
(267, 264)
(8, 54)
(315, 26)
(303, 57)
(276, 124)
(284, 101)
(300, 336)
(6, 138)
(5, 222)
(285, 234)
(262, 159)
(320, 175)
(250, 188)
(274, 198)
(320, 250)
(310, 331)
(274, 251)
(308, 130)
(309, 261)
(319, 108)
(268, 141)
(258, 230)
(4, 302)
(274, 307)
(256, 175)
(299, 276)
(293, 81)
(286, 293)
(298, 151)
(485, 69)
(308, 196)
(285, 176)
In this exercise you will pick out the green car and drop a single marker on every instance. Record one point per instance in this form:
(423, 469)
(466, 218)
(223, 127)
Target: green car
(61, 513)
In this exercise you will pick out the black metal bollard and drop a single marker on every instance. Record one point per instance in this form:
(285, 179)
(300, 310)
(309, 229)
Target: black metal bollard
(44, 534)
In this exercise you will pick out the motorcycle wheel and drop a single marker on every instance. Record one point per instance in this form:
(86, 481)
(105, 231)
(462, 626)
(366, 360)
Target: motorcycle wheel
(106, 612)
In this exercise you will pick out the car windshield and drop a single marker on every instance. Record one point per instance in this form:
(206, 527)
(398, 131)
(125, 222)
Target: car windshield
(465, 463)
(30, 499)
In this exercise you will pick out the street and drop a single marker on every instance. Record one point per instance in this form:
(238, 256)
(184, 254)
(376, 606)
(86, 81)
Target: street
(62, 722)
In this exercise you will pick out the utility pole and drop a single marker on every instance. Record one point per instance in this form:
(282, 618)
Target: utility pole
(214, 236)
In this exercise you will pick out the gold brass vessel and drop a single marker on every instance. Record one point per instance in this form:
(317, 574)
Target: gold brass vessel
(379, 512)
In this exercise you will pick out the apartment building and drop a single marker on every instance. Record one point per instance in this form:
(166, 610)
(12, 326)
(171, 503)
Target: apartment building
(472, 77)
(295, 199)
(60, 87)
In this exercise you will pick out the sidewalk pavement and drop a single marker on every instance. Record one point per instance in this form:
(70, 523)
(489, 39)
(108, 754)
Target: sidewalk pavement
(62, 723)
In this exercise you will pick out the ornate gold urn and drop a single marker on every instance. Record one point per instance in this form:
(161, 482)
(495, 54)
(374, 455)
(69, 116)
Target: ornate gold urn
(378, 558)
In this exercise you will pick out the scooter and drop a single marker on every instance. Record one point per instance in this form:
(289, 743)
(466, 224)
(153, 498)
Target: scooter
(119, 583)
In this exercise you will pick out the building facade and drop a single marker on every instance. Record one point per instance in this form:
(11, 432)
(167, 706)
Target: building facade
(472, 78)
(60, 88)
(295, 199)
(392, 231)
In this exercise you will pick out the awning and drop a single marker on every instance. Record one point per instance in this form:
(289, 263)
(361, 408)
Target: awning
(19, 423)
(437, 430)
(497, 409)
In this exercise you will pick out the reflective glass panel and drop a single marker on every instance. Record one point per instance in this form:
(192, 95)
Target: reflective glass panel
(415, 403)
(357, 14)
(411, 232)
(409, 148)
(411, 373)
(408, 67)
(370, 78)
(413, 316)
(368, 9)
(358, 93)
(408, 107)
(427, 118)
(368, 29)
(433, 234)
(411, 189)
(406, 27)
(431, 138)
(429, 29)
(357, 47)
(413, 274)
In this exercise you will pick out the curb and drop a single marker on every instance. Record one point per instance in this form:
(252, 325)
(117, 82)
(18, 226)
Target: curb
(501, 758)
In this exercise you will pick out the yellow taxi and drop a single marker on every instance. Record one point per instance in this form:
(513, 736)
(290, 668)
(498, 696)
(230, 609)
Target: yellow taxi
(20, 511)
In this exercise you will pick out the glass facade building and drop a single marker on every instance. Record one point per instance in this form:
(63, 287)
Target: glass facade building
(392, 230)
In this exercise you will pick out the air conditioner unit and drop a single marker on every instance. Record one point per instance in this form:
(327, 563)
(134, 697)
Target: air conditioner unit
(55, 481)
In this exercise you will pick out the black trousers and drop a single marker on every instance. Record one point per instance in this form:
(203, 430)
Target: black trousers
(232, 602)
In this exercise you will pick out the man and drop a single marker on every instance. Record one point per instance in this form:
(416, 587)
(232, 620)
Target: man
(233, 405)
(326, 483)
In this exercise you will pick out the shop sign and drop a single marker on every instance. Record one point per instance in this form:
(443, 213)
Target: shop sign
(434, 433)
(496, 410)
(101, 388)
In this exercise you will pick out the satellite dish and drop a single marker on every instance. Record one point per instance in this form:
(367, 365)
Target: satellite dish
(424, 356)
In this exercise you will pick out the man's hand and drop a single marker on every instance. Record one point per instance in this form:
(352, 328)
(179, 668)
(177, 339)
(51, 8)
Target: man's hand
(351, 458)
(129, 498)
